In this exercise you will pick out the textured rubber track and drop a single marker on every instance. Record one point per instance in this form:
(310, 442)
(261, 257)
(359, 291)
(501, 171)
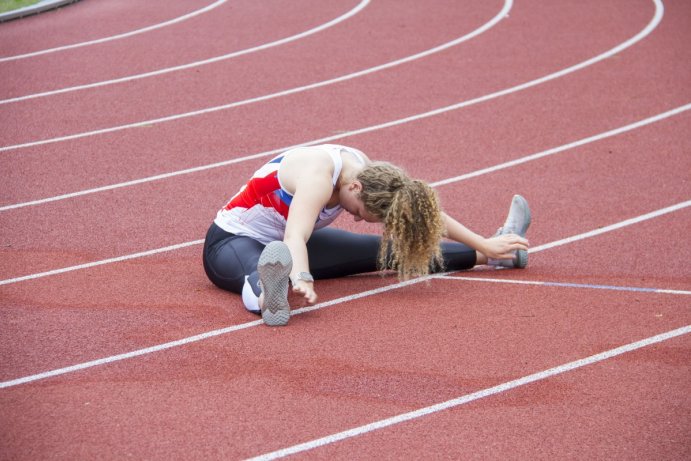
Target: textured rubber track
(274, 266)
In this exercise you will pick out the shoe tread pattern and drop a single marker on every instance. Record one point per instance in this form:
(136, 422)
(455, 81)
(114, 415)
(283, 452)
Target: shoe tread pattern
(274, 266)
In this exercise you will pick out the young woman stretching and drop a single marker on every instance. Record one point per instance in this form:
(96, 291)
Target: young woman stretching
(273, 230)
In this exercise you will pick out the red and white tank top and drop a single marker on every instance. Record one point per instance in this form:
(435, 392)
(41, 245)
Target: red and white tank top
(260, 209)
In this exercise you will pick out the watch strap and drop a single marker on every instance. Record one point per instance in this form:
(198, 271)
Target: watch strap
(304, 276)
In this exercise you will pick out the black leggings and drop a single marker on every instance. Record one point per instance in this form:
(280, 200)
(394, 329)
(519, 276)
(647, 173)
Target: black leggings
(332, 253)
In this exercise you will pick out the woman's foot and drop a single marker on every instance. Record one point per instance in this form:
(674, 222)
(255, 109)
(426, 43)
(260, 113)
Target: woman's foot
(517, 222)
(274, 266)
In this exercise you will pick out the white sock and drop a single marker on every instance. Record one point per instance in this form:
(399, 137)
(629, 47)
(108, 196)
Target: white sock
(249, 298)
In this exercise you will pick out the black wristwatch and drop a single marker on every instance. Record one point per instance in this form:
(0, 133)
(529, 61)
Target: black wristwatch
(304, 276)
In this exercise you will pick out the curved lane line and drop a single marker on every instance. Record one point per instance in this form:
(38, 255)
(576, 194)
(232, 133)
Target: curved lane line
(230, 329)
(504, 11)
(115, 37)
(354, 11)
(659, 9)
(656, 19)
(525, 159)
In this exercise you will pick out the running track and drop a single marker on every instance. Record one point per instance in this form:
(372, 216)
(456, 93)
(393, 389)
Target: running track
(115, 155)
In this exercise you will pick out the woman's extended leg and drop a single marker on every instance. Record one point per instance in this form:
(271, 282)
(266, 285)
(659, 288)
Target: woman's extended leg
(338, 253)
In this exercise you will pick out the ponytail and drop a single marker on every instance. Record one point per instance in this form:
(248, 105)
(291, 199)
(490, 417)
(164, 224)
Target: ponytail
(411, 214)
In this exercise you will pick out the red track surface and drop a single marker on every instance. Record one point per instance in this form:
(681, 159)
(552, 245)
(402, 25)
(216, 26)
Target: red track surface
(367, 357)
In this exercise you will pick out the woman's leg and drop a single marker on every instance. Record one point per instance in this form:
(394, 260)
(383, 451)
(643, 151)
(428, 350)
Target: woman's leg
(338, 253)
(230, 262)
(457, 257)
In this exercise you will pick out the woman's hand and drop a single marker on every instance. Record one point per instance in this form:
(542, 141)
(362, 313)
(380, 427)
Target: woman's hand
(503, 246)
(306, 289)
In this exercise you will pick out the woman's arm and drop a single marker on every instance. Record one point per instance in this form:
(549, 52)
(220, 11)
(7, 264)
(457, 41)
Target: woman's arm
(500, 247)
(313, 189)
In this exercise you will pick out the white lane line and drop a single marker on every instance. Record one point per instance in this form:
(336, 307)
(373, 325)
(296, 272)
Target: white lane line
(467, 398)
(587, 286)
(118, 259)
(116, 37)
(202, 336)
(612, 227)
(208, 110)
(129, 355)
(333, 22)
(657, 17)
(518, 161)
(564, 147)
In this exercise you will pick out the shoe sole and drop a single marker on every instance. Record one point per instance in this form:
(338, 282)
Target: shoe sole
(274, 266)
(521, 260)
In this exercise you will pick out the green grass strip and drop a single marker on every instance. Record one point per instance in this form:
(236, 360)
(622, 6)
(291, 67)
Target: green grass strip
(9, 5)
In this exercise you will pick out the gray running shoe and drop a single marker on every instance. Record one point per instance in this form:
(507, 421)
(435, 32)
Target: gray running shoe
(517, 222)
(274, 266)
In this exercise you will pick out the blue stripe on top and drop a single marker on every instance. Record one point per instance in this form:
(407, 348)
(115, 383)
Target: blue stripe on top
(284, 196)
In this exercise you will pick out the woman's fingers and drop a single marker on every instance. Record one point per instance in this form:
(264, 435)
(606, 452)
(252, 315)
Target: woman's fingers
(515, 242)
(306, 291)
(505, 246)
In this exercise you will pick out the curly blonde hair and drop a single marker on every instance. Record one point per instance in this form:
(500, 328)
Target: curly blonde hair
(411, 214)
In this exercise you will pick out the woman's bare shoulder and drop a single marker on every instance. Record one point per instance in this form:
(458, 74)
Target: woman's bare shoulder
(304, 162)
